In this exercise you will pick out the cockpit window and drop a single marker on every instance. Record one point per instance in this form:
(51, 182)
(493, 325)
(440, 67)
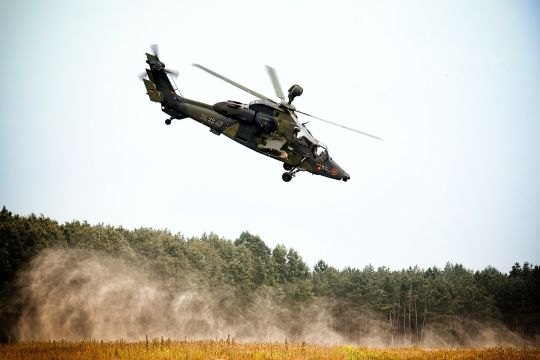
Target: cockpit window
(299, 133)
(320, 153)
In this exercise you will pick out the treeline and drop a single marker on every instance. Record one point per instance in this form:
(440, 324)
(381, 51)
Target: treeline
(409, 304)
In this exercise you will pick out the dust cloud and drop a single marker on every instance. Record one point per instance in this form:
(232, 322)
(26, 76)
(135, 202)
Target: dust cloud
(77, 295)
(72, 294)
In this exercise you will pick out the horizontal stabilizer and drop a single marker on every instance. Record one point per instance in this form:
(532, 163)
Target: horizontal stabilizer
(152, 92)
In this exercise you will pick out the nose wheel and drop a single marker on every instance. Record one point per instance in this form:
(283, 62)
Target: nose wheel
(168, 121)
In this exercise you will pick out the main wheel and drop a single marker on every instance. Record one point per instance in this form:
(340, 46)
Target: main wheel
(287, 167)
(168, 122)
(286, 177)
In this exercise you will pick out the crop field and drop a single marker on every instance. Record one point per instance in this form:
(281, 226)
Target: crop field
(223, 349)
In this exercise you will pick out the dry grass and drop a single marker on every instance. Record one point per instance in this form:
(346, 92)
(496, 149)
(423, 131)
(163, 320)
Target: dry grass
(165, 349)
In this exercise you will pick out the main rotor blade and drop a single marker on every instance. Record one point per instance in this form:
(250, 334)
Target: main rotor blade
(275, 82)
(234, 83)
(341, 126)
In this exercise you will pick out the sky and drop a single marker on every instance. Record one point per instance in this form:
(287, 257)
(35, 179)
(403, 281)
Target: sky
(452, 86)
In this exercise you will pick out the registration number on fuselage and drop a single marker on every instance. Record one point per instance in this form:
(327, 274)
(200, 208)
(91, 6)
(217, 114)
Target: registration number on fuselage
(210, 120)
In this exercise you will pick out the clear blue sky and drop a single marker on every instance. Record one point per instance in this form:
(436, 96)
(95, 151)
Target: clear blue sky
(453, 87)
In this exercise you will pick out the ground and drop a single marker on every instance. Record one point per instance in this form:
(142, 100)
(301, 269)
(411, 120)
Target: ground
(228, 349)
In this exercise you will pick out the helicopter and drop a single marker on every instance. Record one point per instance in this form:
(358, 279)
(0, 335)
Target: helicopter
(268, 127)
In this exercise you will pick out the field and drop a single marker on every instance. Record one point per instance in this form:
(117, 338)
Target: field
(223, 349)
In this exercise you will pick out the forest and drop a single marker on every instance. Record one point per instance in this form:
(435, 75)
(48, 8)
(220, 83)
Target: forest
(405, 307)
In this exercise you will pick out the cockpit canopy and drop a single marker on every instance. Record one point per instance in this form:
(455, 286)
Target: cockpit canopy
(321, 152)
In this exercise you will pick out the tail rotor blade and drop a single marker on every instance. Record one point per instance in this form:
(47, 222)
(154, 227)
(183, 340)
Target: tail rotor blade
(174, 73)
(275, 82)
(142, 75)
(155, 49)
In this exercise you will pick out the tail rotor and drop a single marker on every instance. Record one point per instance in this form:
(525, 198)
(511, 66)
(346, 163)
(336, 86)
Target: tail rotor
(156, 64)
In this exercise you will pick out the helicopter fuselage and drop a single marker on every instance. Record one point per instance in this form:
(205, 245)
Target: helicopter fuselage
(264, 126)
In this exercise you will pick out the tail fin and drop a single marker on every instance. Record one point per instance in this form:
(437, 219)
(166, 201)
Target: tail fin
(158, 86)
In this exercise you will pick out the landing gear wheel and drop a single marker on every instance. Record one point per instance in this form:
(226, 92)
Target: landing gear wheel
(286, 177)
(168, 122)
(287, 167)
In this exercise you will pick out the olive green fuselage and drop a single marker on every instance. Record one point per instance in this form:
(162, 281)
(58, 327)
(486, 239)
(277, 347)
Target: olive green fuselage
(262, 126)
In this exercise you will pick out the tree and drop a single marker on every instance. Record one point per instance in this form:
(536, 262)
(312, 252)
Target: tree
(262, 261)
(402, 303)
(279, 255)
(296, 267)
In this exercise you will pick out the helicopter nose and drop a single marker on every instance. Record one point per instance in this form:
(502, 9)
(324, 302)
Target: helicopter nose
(343, 175)
(337, 172)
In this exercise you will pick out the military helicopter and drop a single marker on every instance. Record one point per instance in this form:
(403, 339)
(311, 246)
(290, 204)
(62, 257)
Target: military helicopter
(264, 125)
